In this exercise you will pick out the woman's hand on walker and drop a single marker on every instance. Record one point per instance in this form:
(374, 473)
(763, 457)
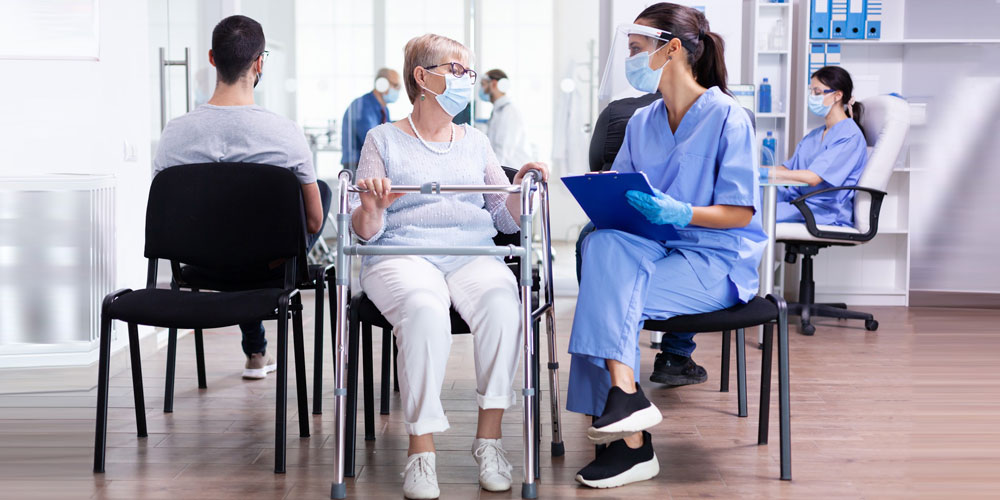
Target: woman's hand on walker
(378, 194)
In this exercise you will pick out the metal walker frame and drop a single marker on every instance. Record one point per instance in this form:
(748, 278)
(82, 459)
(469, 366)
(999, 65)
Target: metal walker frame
(531, 184)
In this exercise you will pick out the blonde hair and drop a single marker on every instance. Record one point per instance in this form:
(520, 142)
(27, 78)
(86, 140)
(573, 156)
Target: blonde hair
(428, 50)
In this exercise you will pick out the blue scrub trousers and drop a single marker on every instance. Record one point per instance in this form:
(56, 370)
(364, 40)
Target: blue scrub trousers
(681, 344)
(627, 279)
(253, 333)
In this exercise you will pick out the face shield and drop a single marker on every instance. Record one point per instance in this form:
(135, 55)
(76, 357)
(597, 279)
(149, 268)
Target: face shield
(629, 40)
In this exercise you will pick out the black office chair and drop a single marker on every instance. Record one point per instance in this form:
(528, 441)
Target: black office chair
(204, 215)
(363, 314)
(308, 277)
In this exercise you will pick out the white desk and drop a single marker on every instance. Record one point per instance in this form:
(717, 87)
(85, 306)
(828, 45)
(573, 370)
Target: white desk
(770, 187)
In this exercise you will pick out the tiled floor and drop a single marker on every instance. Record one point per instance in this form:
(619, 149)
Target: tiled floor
(909, 411)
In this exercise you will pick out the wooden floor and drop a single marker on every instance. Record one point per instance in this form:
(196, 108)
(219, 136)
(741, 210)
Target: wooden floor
(910, 411)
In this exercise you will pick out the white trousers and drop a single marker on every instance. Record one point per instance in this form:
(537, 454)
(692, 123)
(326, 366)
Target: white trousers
(415, 296)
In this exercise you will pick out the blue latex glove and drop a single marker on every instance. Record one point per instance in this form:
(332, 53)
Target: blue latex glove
(660, 208)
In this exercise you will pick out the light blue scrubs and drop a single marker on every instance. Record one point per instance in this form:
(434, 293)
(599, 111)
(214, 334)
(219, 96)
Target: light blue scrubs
(839, 158)
(627, 279)
(364, 114)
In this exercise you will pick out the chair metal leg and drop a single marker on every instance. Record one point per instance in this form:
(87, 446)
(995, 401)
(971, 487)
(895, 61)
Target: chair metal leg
(395, 367)
(351, 411)
(784, 396)
(741, 372)
(558, 447)
(199, 353)
(386, 367)
(168, 386)
(369, 387)
(724, 370)
(318, 347)
(301, 391)
(281, 398)
(137, 395)
(765, 384)
(103, 368)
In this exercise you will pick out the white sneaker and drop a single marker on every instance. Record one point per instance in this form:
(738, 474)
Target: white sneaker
(419, 479)
(258, 366)
(494, 469)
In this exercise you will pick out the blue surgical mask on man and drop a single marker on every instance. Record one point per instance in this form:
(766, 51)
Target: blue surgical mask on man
(457, 93)
(816, 105)
(640, 75)
(483, 95)
(391, 95)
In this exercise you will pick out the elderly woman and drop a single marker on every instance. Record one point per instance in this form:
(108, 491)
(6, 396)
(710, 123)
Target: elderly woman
(414, 293)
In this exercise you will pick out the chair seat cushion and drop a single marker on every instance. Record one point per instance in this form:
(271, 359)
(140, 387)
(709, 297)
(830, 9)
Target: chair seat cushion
(796, 231)
(756, 312)
(186, 310)
(206, 279)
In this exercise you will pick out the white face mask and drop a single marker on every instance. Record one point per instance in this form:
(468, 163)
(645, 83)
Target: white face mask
(457, 93)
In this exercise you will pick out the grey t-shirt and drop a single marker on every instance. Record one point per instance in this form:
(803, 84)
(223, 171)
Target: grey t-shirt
(248, 134)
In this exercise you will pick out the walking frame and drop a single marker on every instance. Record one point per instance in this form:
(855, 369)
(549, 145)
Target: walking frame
(346, 248)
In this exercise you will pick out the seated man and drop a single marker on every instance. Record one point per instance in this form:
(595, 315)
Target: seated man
(231, 128)
(673, 365)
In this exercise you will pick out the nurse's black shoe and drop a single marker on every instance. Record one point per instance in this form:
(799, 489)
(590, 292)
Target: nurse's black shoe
(676, 370)
(618, 465)
(624, 414)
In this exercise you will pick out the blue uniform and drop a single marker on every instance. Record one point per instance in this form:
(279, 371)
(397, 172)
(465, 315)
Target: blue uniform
(364, 114)
(710, 160)
(839, 158)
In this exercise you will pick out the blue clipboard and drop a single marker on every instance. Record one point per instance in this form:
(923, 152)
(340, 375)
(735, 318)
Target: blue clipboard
(602, 197)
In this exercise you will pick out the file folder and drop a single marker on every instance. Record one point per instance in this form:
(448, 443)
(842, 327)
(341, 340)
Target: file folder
(838, 18)
(833, 54)
(873, 19)
(602, 197)
(819, 19)
(817, 58)
(856, 19)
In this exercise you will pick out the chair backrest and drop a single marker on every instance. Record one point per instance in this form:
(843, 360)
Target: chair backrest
(225, 215)
(886, 122)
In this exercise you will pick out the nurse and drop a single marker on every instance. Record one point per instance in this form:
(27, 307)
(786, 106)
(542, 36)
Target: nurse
(833, 155)
(700, 157)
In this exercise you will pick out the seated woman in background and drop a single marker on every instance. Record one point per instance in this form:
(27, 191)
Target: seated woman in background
(830, 156)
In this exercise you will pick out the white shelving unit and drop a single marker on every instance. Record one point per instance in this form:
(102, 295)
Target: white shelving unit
(771, 46)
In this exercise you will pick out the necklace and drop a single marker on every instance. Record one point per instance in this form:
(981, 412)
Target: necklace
(444, 151)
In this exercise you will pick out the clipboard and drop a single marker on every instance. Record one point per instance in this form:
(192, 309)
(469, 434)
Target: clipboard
(602, 197)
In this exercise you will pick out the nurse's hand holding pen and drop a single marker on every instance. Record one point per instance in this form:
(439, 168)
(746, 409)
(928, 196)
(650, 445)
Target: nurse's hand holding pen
(375, 199)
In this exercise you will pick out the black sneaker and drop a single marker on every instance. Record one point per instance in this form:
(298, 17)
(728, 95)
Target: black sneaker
(618, 465)
(675, 370)
(624, 415)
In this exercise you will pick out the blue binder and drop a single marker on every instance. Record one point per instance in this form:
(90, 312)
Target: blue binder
(819, 19)
(832, 54)
(817, 58)
(873, 19)
(838, 18)
(856, 19)
(602, 197)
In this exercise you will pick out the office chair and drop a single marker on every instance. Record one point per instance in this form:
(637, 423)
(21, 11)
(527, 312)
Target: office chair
(886, 122)
(203, 215)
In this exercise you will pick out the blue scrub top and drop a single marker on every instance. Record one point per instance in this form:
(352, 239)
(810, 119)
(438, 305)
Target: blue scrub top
(710, 160)
(839, 158)
(364, 114)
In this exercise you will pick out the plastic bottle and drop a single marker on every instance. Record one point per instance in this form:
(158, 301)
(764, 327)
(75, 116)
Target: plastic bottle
(765, 97)
(768, 151)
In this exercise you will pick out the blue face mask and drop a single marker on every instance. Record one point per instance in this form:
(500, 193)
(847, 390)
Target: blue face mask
(391, 95)
(457, 93)
(640, 75)
(483, 95)
(816, 105)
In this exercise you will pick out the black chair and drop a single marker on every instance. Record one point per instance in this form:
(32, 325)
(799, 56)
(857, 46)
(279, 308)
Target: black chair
(308, 277)
(204, 215)
(759, 311)
(363, 314)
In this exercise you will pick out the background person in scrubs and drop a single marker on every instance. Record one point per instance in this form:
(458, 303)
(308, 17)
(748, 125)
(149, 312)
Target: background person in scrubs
(365, 113)
(833, 155)
(700, 156)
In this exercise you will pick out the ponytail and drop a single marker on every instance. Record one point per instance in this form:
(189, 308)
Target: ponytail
(705, 49)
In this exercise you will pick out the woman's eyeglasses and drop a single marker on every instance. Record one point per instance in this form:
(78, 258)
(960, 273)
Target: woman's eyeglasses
(456, 69)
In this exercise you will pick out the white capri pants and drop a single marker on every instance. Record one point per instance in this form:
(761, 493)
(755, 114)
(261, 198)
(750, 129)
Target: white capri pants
(415, 296)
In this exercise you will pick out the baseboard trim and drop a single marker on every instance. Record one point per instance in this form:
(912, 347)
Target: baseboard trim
(939, 298)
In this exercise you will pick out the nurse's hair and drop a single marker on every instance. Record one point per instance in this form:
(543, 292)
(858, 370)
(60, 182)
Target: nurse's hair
(428, 50)
(838, 78)
(705, 49)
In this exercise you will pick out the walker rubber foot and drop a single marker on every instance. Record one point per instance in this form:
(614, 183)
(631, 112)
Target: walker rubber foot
(558, 449)
(338, 491)
(529, 490)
